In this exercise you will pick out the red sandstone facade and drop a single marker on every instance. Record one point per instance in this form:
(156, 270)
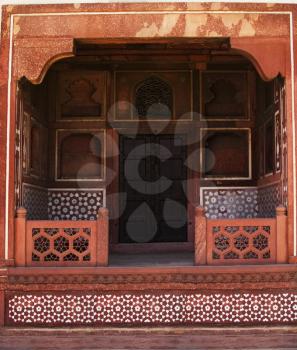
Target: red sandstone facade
(56, 271)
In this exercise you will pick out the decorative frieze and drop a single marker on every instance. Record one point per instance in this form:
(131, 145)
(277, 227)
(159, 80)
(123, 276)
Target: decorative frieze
(201, 280)
(138, 308)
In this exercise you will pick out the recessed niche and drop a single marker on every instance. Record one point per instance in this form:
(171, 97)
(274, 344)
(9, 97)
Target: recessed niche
(224, 95)
(226, 153)
(80, 155)
(82, 95)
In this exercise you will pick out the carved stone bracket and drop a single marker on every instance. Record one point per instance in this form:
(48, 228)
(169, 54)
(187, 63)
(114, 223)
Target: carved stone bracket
(269, 56)
(32, 57)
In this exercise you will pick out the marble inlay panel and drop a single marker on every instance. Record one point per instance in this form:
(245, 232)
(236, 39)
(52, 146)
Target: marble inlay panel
(268, 199)
(35, 200)
(74, 204)
(230, 202)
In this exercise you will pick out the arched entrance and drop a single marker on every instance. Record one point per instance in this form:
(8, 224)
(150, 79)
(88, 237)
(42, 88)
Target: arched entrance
(151, 130)
(156, 52)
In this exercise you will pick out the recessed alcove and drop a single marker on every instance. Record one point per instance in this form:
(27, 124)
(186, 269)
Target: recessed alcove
(207, 98)
(151, 124)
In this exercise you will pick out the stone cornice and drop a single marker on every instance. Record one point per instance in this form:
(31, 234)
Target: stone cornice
(257, 278)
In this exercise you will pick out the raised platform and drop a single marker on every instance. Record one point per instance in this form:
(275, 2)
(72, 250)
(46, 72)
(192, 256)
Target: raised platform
(150, 296)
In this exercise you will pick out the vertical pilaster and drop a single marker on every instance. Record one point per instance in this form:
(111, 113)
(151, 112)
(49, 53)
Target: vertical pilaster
(281, 235)
(200, 236)
(102, 237)
(20, 237)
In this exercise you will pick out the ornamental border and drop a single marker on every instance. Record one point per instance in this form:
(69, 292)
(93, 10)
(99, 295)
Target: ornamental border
(160, 308)
(161, 278)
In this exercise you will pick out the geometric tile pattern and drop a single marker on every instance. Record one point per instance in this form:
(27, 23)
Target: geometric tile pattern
(47, 204)
(35, 201)
(74, 204)
(218, 202)
(230, 203)
(268, 199)
(162, 308)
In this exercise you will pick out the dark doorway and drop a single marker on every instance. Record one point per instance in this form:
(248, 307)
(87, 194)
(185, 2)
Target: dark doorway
(153, 178)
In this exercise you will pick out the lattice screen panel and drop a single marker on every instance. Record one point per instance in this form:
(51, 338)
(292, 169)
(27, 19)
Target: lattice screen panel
(245, 243)
(61, 243)
(154, 98)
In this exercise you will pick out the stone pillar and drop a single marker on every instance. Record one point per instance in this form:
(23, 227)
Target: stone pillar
(281, 235)
(20, 237)
(102, 237)
(200, 236)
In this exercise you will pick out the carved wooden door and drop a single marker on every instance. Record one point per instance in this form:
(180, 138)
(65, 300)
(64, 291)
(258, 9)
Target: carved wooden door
(153, 180)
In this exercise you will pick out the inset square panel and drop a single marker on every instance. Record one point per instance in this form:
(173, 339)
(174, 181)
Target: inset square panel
(81, 95)
(80, 155)
(226, 153)
(224, 95)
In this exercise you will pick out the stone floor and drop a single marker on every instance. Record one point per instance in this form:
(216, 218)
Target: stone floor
(152, 259)
(246, 338)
